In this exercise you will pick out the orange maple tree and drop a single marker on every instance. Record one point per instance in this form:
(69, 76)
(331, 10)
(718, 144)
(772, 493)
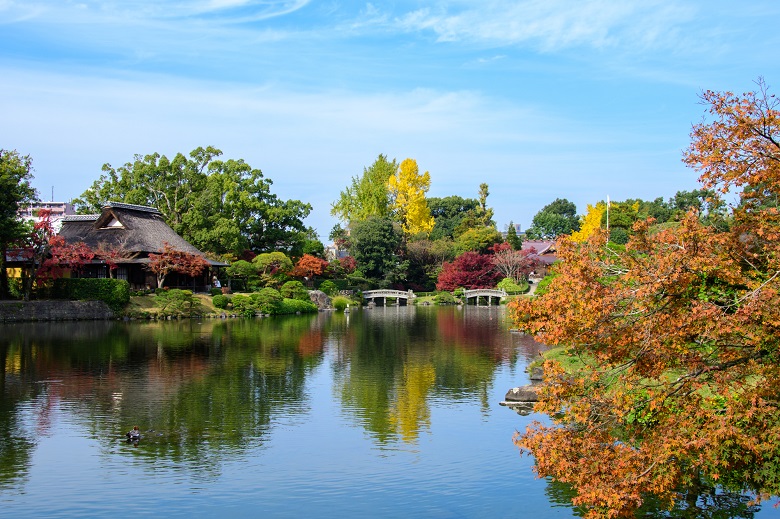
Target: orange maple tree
(309, 266)
(676, 337)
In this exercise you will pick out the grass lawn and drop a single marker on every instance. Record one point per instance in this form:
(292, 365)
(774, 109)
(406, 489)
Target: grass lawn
(145, 306)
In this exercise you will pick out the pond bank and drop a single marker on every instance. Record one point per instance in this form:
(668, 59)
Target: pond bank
(21, 311)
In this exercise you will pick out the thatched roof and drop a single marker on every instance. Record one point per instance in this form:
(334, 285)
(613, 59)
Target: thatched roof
(136, 229)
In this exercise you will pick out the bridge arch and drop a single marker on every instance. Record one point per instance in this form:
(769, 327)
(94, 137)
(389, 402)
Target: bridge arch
(383, 294)
(484, 292)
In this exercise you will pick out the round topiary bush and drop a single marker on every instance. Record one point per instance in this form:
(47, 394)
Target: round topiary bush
(220, 301)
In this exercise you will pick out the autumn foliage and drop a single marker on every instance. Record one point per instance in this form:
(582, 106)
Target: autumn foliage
(676, 337)
(514, 264)
(407, 190)
(469, 270)
(171, 260)
(309, 266)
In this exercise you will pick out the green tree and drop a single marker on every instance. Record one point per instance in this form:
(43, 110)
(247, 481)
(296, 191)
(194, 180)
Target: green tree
(512, 238)
(556, 218)
(15, 190)
(375, 247)
(426, 258)
(448, 213)
(224, 207)
(243, 270)
(478, 239)
(272, 266)
(368, 195)
(295, 290)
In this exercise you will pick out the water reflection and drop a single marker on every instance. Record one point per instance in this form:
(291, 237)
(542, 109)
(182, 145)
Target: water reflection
(204, 391)
(700, 501)
(268, 408)
(394, 360)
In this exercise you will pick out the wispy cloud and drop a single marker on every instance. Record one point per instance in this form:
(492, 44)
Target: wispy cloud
(553, 24)
(309, 144)
(149, 11)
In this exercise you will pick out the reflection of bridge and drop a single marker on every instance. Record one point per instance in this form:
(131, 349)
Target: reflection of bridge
(383, 294)
(484, 292)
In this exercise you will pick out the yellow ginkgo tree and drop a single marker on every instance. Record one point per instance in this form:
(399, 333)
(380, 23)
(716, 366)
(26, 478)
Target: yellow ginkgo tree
(407, 191)
(590, 222)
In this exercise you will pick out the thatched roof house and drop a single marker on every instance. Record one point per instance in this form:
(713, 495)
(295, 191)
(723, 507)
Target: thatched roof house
(132, 232)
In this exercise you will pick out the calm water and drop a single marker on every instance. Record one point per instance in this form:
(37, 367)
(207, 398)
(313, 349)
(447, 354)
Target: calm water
(387, 412)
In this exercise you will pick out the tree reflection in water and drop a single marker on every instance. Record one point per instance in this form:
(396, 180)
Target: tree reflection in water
(702, 501)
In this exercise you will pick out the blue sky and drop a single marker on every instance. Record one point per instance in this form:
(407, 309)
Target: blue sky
(541, 99)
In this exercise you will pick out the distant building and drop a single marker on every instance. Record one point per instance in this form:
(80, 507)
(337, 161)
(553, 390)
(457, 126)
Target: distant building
(543, 251)
(57, 208)
(518, 229)
(58, 211)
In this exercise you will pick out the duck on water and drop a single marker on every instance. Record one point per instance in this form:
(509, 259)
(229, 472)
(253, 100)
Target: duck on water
(134, 435)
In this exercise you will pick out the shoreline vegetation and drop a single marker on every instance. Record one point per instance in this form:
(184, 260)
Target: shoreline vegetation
(188, 305)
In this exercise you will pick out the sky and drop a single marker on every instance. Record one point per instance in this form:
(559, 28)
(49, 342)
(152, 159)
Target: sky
(540, 99)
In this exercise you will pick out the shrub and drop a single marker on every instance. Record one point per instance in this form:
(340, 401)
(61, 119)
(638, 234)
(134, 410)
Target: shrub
(444, 298)
(220, 301)
(114, 292)
(508, 285)
(543, 285)
(242, 304)
(267, 300)
(215, 291)
(295, 290)
(340, 303)
(177, 302)
(329, 287)
(291, 306)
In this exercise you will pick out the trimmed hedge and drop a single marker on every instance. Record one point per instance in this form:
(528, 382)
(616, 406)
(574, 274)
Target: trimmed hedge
(114, 292)
(291, 306)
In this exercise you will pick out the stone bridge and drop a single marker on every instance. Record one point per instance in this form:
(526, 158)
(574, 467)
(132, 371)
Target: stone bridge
(484, 292)
(383, 294)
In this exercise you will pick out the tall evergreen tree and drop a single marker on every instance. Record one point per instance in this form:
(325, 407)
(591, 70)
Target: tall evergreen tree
(512, 238)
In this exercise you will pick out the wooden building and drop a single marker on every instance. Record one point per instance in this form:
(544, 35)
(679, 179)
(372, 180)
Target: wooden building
(132, 232)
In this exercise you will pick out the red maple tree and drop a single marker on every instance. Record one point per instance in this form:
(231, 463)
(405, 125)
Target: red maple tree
(469, 270)
(172, 260)
(63, 255)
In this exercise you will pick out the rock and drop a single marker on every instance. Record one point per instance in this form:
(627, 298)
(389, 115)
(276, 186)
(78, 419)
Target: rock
(320, 299)
(521, 408)
(522, 394)
(536, 374)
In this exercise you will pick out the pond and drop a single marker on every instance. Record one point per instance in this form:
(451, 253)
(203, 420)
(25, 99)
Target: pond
(383, 412)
